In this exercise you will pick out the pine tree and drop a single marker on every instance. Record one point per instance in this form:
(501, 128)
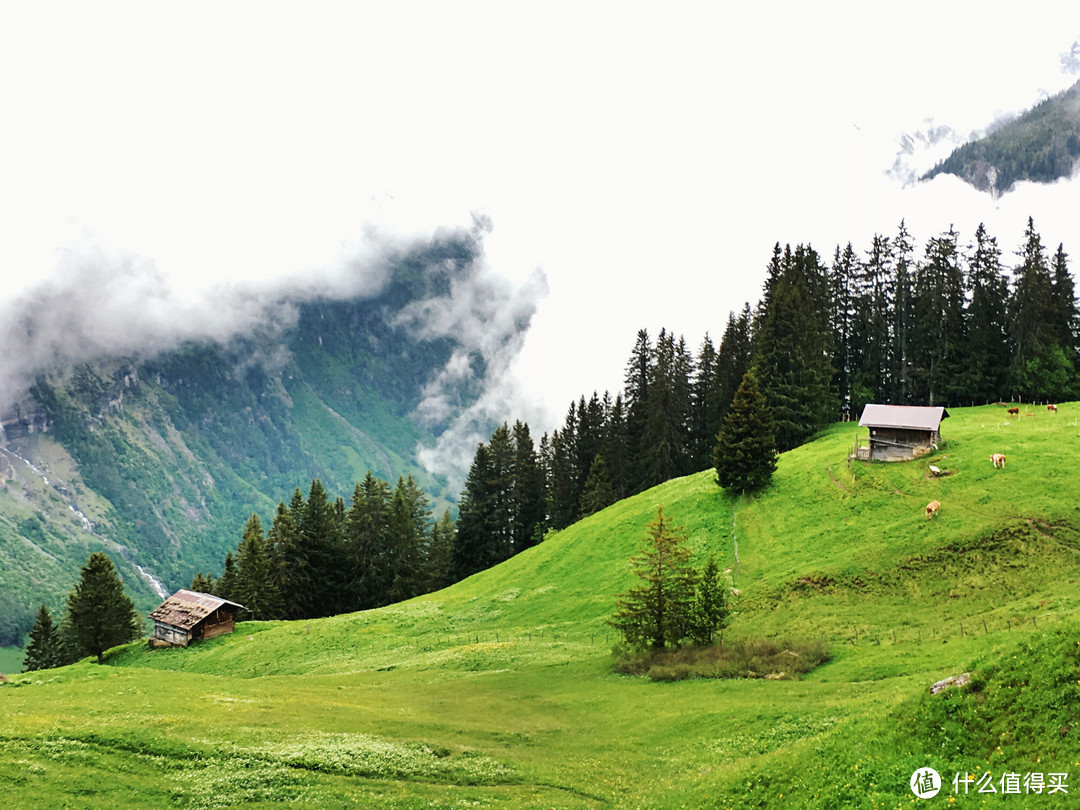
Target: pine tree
(320, 541)
(45, 649)
(842, 310)
(938, 336)
(527, 489)
(225, 585)
(712, 605)
(437, 573)
(255, 588)
(874, 293)
(704, 404)
(408, 527)
(1036, 368)
(366, 542)
(986, 349)
(664, 449)
(473, 547)
(288, 567)
(792, 350)
(598, 493)
(745, 454)
(900, 371)
(1065, 314)
(202, 583)
(732, 362)
(659, 612)
(100, 613)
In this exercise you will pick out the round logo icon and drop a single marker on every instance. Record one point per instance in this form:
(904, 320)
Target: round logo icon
(925, 783)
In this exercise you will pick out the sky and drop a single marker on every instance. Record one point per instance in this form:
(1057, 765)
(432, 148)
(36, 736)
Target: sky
(636, 161)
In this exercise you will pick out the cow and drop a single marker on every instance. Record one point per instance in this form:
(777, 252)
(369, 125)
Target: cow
(999, 460)
(1014, 412)
(1052, 408)
(931, 508)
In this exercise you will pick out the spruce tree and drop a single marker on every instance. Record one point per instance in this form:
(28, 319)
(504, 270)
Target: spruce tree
(712, 605)
(288, 567)
(100, 613)
(437, 563)
(1033, 369)
(986, 348)
(937, 340)
(45, 649)
(792, 350)
(598, 493)
(202, 583)
(366, 529)
(255, 588)
(659, 612)
(745, 454)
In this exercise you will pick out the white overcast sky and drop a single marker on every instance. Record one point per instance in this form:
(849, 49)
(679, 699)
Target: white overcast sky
(644, 156)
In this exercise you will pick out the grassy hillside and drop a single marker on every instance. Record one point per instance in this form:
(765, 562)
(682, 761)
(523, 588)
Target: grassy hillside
(499, 691)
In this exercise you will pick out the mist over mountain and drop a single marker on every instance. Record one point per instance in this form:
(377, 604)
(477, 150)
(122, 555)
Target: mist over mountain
(1042, 145)
(151, 428)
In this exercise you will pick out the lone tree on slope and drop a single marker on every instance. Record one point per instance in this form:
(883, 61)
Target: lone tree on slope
(659, 612)
(745, 453)
(100, 613)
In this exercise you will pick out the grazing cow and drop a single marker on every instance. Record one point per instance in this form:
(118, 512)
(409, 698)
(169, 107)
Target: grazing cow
(999, 460)
(931, 508)
(1052, 408)
(1014, 412)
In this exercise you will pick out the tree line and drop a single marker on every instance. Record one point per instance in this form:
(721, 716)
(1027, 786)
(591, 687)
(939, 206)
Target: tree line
(947, 325)
(321, 557)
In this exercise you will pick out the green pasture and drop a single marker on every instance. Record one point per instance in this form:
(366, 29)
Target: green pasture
(499, 691)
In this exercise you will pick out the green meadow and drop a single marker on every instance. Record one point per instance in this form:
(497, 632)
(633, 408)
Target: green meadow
(499, 691)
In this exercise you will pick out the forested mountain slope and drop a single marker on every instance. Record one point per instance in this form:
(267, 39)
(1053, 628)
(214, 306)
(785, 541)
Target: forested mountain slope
(160, 460)
(1041, 145)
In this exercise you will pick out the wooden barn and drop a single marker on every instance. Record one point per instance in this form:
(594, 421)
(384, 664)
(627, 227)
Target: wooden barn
(187, 616)
(900, 432)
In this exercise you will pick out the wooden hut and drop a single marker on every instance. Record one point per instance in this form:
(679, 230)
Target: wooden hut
(900, 432)
(187, 616)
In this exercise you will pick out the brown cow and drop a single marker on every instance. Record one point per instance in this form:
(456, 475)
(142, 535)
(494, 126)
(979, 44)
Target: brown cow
(931, 508)
(1014, 412)
(1052, 408)
(999, 460)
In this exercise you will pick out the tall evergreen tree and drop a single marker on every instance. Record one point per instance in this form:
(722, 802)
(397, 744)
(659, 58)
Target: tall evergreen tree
(900, 371)
(473, 548)
(792, 350)
(704, 404)
(320, 541)
(712, 605)
(938, 337)
(658, 613)
(1036, 368)
(100, 613)
(255, 588)
(288, 564)
(527, 492)
(366, 542)
(666, 438)
(875, 290)
(1065, 313)
(225, 585)
(598, 493)
(45, 649)
(639, 374)
(438, 563)
(745, 454)
(732, 361)
(842, 311)
(986, 347)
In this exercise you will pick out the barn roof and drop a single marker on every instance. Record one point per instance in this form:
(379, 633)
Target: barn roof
(908, 417)
(185, 609)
